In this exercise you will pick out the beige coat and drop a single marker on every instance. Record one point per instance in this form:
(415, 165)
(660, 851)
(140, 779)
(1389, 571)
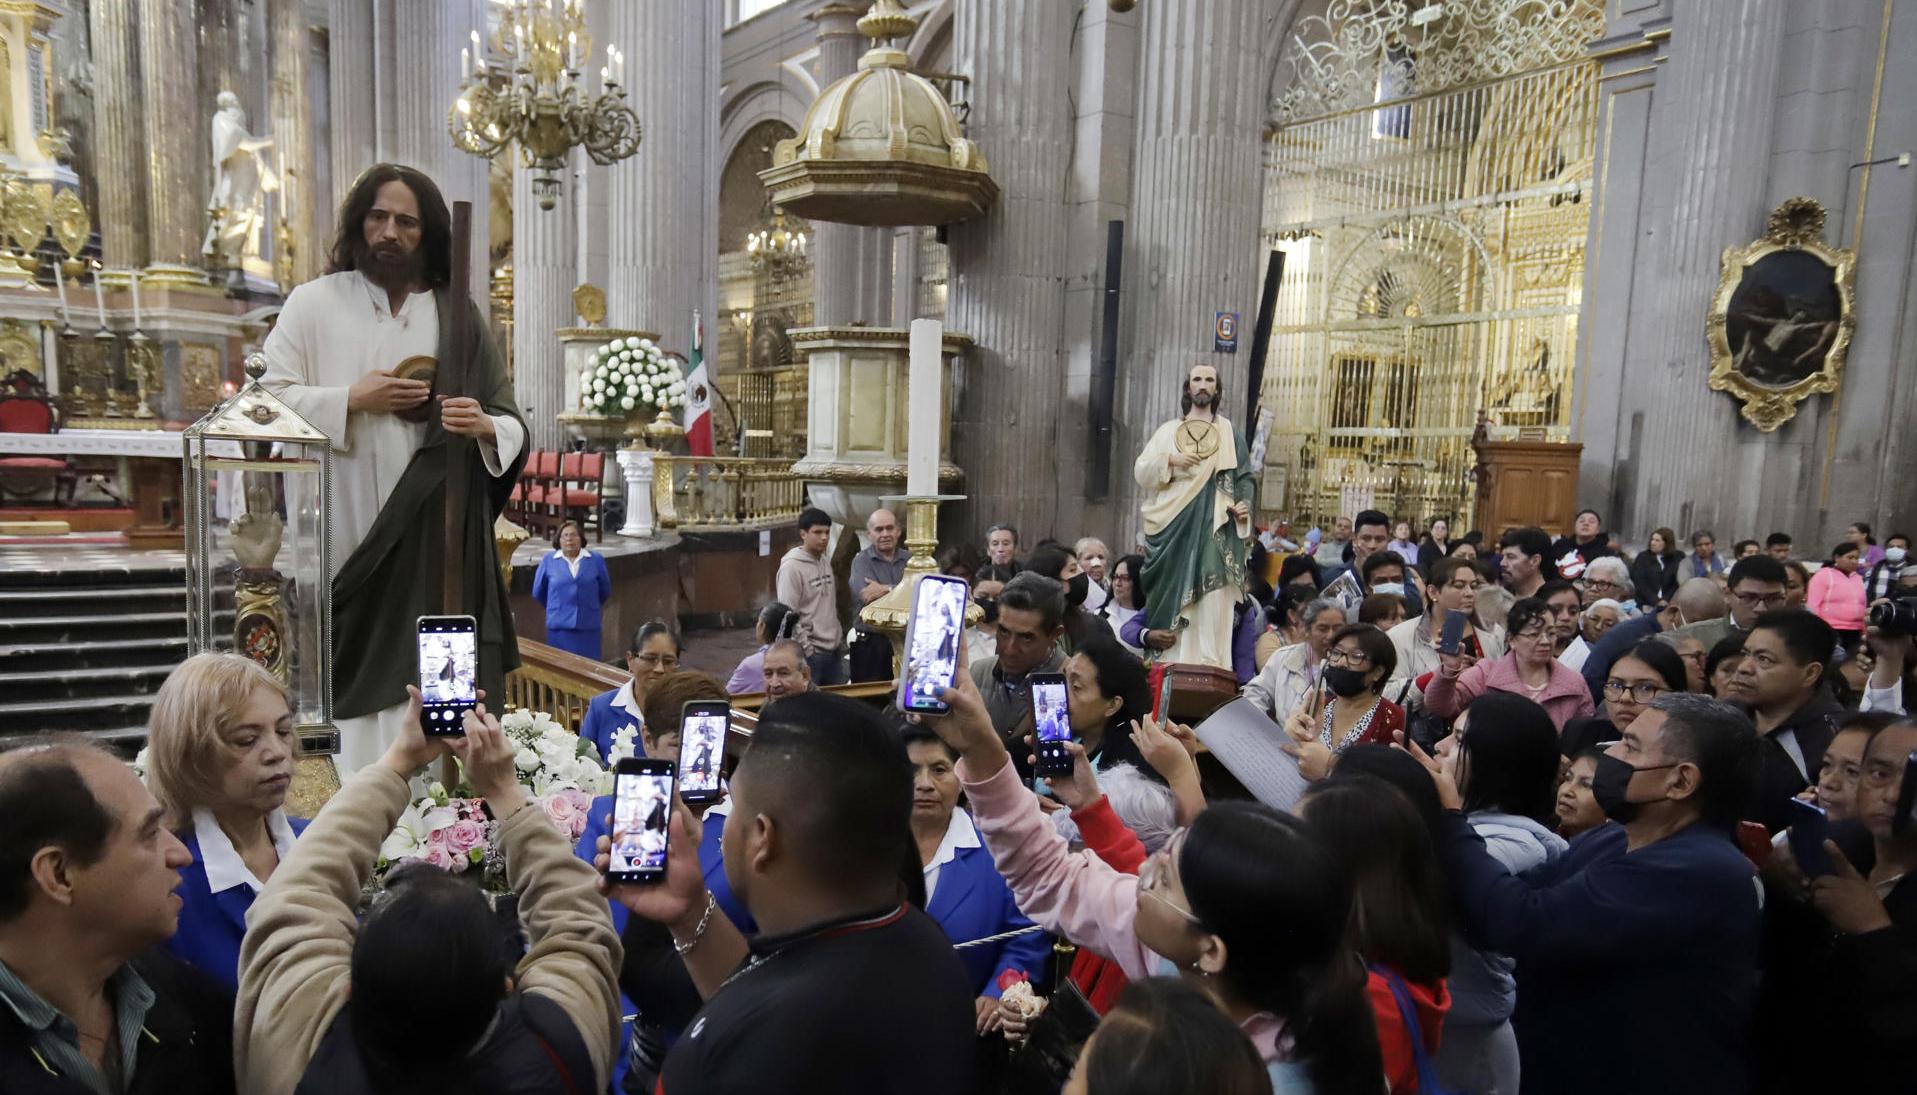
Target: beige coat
(295, 964)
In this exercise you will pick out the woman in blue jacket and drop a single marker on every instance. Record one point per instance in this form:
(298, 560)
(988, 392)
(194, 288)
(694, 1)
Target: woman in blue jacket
(220, 749)
(572, 583)
(963, 890)
(652, 655)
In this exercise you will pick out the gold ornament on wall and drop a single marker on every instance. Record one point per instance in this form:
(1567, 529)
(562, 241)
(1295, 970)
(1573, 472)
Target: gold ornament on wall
(589, 302)
(71, 225)
(1783, 317)
(199, 376)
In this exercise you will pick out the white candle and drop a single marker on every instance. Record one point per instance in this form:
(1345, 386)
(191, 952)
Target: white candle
(133, 278)
(99, 294)
(925, 380)
(60, 279)
(465, 64)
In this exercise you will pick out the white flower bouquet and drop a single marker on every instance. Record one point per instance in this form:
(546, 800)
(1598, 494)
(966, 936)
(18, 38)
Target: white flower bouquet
(631, 377)
(451, 830)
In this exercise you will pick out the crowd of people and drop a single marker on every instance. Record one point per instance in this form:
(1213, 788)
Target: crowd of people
(1577, 819)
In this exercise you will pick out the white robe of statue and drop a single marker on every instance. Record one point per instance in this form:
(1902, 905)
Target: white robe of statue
(333, 331)
(239, 180)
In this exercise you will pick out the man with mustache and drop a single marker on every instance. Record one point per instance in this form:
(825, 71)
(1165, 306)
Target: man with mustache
(1196, 473)
(356, 353)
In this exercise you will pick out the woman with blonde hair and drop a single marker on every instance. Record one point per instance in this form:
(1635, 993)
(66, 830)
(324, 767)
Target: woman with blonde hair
(220, 749)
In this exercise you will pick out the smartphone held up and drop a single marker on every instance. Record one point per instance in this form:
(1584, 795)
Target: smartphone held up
(641, 820)
(702, 750)
(448, 667)
(1051, 724)
(931, 643)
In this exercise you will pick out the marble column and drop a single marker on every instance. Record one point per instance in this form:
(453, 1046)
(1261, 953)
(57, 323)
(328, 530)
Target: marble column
(351, 134)
(545, 269)
(428, 35)
(663, 230)
(1684, 457)
(1191, 243)
(1006, 287)
(852, 266)
(179, 178)
(292, 129)
(119, 133)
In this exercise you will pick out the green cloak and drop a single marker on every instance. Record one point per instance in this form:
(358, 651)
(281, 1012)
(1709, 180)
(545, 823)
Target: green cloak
(1190, 557)
(397, 573)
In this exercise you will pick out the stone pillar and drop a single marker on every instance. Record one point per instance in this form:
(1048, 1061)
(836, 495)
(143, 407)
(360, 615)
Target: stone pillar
(635, 466)
(177, 143)
(852, 266)
(119, 133)
(291, 114)
(428, 35)
(663, 250)
(1006, 287)
(1683, 456)
(545, 257)
(351, 132)
(1191, 245)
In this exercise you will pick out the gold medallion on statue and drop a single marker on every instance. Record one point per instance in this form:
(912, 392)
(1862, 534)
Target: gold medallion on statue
(1198, 438)
(418, 367)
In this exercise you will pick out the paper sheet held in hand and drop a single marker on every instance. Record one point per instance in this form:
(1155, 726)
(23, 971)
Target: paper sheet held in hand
(1248, 745)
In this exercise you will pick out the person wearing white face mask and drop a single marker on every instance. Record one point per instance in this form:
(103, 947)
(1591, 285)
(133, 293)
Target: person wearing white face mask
(1882, 578)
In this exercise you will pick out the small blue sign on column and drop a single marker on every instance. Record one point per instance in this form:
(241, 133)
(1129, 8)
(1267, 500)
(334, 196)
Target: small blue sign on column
(1224, 335)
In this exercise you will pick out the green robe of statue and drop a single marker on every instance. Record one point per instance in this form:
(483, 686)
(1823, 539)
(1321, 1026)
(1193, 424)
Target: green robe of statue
(397, 573)
(1194, 570)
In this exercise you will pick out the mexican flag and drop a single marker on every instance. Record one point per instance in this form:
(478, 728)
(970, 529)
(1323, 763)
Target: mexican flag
(698, 395)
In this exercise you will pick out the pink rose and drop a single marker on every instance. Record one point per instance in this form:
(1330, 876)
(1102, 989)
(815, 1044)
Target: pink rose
(581, 801)
(560, 811)
(436, 854)
(463, 836)
(437, 838)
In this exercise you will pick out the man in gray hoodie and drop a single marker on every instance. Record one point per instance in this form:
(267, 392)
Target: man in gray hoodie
(805, 583)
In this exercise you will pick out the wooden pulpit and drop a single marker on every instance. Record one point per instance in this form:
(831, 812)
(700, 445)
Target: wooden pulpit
(1526, 483)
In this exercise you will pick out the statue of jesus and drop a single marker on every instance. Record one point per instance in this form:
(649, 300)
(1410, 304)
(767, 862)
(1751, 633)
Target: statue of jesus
(1196, 472)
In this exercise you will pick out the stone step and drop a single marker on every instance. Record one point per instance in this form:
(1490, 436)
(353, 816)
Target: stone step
(16, 601)
(167, 650)
(36, 574)
(74, 715)
(124, 740)
(68, 684)
(109, 625)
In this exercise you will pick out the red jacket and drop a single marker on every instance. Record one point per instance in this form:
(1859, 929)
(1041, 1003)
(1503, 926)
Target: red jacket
(1431, 999)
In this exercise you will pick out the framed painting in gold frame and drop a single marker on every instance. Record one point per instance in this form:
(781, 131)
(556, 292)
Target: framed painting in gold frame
(1783, 316)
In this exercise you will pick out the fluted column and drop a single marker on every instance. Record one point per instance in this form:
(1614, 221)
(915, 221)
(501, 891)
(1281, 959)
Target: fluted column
(663, 252)
(119, 134)
(292, 129)
(1006, 287)
(1690, 462)
(545, 256)
(1192, 242)
(351, 123)
(852, 266)
(178, 176)
(427, 35)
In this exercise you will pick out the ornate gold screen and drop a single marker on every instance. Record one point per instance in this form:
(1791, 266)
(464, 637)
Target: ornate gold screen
(1428, 174)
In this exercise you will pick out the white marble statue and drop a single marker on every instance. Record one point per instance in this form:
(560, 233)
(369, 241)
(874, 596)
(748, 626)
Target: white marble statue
(241, 179)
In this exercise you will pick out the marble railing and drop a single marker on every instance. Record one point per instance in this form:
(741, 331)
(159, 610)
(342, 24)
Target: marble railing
(706, 493)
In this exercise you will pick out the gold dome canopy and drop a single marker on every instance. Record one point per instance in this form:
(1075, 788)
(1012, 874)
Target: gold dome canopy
(881, 147)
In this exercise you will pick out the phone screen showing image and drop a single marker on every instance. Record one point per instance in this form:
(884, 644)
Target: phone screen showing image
(931, 645)
(448, 672)
(1051, 724)
(702, 750)
(641, 809)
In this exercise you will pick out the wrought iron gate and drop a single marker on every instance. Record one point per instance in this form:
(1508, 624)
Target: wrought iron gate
(1428, 174)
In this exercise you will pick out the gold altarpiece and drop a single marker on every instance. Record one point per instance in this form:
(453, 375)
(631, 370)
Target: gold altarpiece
(1429, 179)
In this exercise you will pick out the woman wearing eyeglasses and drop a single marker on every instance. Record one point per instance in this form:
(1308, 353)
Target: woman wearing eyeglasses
(1531, 669)
(1652, 668)
(1350, 708)
(653, 653)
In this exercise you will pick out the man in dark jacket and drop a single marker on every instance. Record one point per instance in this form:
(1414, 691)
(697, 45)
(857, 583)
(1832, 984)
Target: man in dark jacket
(88, 1001)
(1783, 680)
(1646, 930)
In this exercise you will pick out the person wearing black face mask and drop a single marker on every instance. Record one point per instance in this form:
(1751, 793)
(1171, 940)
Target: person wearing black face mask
(1058, 562)
(1350, 709)
(1646, 929)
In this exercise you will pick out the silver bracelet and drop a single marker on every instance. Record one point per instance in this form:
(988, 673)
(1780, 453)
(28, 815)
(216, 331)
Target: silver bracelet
(699, 932)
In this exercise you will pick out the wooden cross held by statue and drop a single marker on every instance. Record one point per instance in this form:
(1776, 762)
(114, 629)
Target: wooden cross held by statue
(452, 382)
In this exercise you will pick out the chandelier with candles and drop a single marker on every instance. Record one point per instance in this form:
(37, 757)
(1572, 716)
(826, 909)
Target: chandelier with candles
(777, 249)
(532, 95)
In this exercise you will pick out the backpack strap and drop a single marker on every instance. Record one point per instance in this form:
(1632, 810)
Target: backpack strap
(1408, 1014)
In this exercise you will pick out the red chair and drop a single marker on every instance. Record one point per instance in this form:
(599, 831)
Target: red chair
(580, 494)
(541, 481)
(25, 408)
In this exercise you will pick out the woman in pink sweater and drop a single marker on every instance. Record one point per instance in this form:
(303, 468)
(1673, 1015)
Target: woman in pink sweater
(1837, 594)
(1246, 904)
(1530, 669)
